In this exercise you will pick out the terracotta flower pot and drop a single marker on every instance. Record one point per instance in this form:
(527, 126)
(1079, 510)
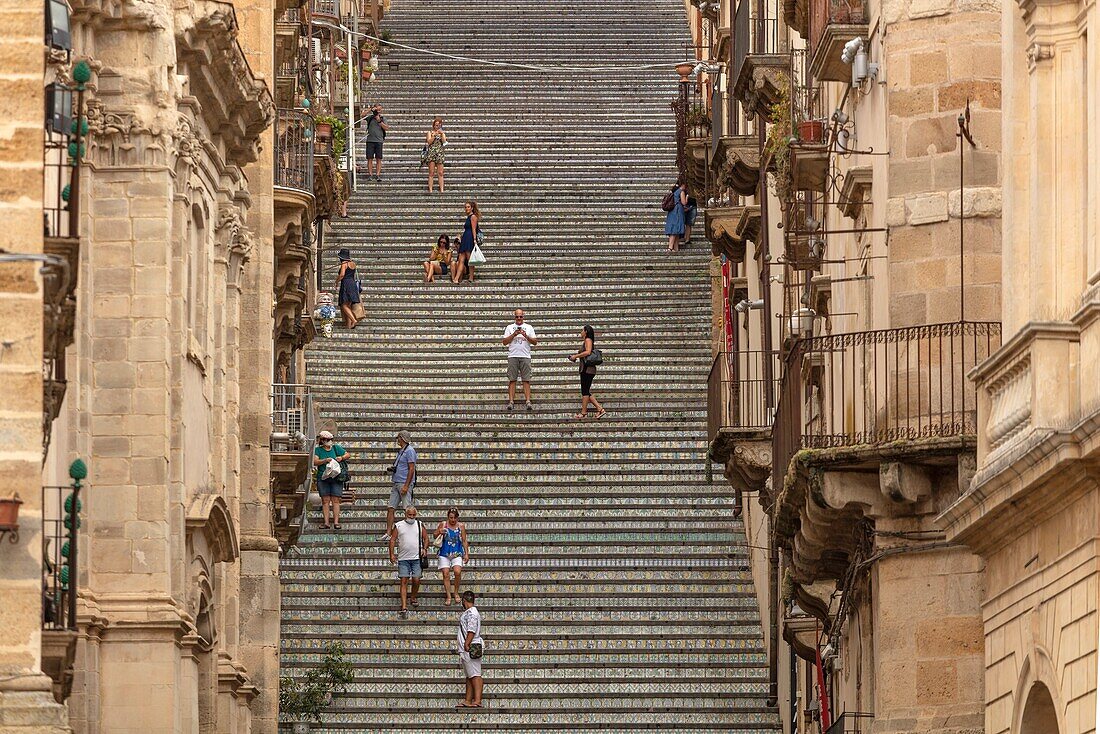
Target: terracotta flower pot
(811, 131)
(322, 131)
(9, 512)
(684, 70)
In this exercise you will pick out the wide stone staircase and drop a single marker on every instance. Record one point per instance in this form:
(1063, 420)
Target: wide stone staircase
(611, 574)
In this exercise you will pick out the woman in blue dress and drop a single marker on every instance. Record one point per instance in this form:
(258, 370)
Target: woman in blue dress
(453, 554)
(466, 244)
(348, 288)
(674, 220)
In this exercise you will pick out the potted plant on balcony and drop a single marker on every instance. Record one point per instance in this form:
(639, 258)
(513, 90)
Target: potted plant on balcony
(302, 699)
(811, 132)
(697, 117)
(777, 146)
(9, 512)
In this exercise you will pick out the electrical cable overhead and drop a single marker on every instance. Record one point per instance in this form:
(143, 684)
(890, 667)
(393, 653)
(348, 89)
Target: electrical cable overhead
(530, 67)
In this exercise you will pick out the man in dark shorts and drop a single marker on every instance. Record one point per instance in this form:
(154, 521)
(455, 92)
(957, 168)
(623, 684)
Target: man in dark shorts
(376, 135)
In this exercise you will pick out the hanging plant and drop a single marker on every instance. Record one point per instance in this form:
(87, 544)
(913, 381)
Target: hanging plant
(339, 133)
(777, 146)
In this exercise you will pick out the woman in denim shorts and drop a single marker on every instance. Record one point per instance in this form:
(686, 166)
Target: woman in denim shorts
(331, 490)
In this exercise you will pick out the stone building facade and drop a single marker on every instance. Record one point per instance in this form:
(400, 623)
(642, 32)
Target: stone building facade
(1032, 511)
(854, 304)
(152, 323)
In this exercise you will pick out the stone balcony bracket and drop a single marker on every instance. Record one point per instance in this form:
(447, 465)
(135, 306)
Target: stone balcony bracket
(1039, 446)
(698, 151)
(721, 230)
(736, 163)
(748, 226)
(855, 191)
(830, 497)
(760, 80)
(747, 456)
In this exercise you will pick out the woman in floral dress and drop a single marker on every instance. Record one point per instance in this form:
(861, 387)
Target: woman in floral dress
(433, 154)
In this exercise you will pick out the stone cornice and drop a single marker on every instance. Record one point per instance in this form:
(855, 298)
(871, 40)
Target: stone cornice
(1010, 351)
(237, 105)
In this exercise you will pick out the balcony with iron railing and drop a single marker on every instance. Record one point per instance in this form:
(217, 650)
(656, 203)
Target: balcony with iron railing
(851, 722)
(871, 423)
(293, 438)
(294, 152)
(326, 12)
(693, 125)
(741, 391)
(61, 525)
(831, 24)
(809, 147)
(760, 66)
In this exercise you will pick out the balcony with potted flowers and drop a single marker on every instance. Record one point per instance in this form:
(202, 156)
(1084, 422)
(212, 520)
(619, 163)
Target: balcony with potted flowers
(809, 150)
(761, 63)
(693, 128)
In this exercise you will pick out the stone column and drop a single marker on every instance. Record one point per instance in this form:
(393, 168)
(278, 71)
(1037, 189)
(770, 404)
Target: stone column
(26, 701)
(259, 563)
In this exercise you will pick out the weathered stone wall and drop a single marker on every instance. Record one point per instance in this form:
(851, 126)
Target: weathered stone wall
(938, 55)
(26, 701)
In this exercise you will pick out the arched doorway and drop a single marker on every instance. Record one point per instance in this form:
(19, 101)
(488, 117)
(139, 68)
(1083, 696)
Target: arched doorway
(1039, 714)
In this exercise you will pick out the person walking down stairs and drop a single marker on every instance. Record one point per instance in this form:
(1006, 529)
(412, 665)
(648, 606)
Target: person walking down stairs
(471, 649)
(675, 219)
(403, 470)
(454, 553)
(519, 337)
(376, 136)
(433, 153)
(331, 489)
(410, 538)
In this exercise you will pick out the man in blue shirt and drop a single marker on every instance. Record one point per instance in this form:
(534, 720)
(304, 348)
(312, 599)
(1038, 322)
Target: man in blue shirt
(404, 479)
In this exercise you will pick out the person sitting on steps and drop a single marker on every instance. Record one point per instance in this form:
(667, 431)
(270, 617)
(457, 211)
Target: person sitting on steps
(439, 260)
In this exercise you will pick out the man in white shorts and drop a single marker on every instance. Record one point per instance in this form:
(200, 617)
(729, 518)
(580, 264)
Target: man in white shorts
(469, 636)
(519, 338)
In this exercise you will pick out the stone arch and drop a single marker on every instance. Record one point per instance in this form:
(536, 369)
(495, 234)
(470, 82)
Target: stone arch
(1038, 707)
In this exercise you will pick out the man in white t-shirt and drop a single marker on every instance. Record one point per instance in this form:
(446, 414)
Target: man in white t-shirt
(409, 537)
(469, 636)
(519, 338)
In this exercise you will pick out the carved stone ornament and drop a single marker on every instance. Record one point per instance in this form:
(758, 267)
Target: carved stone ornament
(118, 139)
(236, 238)
(1037, 52)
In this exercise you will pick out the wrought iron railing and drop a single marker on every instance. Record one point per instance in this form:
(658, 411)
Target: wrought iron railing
(294, 150)
(876, 387)
(824, 13)
(326, 8)
(292, 422)
(807, 96)
(741, 391)
(851, 723)
(60, 533)
(742, 37)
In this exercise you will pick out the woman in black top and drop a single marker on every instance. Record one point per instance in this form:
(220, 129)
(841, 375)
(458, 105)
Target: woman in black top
(588, 373)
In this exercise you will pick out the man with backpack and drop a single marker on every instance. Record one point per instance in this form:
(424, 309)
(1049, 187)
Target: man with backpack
(411, 540)
(470, 650)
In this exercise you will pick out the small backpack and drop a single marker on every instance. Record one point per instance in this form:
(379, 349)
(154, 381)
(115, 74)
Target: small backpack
(669, 202)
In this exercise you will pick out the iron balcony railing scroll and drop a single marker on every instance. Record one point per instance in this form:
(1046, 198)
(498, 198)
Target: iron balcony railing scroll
(739, 393)
(294, 150)
(293, 426)
(875, 387)
(807, 95)
(326, 8)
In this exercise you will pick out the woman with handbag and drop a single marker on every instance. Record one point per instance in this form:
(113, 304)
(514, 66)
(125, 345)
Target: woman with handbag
(348, 288)
(589, 357)
(330, 480)
(454, 553)
(470, 232)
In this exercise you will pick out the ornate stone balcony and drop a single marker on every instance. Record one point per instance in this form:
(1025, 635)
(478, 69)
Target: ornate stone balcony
(721, 229)
(873, 429)
(741, 391)
(831, 24)
(761, 68)
(748, 225)
(736, 164)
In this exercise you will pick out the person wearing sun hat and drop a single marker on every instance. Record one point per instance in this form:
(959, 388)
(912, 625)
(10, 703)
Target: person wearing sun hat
(331, 489)
(347, 286)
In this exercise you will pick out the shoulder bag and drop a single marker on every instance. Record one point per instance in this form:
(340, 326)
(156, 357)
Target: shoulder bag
(594, 358)
(425, 549)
